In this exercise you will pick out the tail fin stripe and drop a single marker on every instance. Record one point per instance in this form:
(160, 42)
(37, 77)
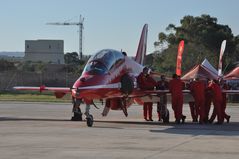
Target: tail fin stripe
(141, 52)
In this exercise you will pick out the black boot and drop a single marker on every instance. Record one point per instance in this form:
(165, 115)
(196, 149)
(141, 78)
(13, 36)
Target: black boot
(228, 119)
(183, 119)
(177, 121)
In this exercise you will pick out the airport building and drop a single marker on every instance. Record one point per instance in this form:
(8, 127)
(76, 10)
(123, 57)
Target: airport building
(44, 50)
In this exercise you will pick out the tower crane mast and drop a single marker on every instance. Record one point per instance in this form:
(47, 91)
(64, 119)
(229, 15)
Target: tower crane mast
(81, 27)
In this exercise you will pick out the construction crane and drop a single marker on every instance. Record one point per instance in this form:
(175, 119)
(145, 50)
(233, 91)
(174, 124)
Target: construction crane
(80, 24)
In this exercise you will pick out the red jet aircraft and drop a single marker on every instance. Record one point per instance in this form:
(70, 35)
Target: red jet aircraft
(109, 75)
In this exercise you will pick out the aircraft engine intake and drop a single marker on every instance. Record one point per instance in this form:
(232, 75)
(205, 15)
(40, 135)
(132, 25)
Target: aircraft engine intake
(127, 84)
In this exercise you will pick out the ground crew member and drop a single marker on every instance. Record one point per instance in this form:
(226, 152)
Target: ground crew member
(217, 101)
(146, 82)
(192, 102)
(193, 111)
(176, 86)
(224, 100)
(208, 101)
(224, 103)
(162, 105)
(198, 91)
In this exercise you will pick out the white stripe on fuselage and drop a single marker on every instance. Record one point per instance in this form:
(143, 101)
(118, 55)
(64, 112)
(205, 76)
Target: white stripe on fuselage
(114, 85)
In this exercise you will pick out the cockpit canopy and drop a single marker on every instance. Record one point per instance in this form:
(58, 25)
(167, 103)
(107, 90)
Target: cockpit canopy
(103, 61)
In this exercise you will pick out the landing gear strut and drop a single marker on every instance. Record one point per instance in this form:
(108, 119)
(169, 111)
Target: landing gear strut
(89, 117)
(166, 117)
(124, 107)
(77, 115)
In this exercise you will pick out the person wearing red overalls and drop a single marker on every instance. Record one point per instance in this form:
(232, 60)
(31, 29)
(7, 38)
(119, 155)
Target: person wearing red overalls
(146, 82)
(224, 86)
(175, 87)
(217, 101)
(192, 102)
(208, 101)
(198, 91)
(224, 100)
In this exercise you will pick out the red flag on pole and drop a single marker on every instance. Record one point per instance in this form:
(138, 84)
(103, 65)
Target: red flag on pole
(179, 58)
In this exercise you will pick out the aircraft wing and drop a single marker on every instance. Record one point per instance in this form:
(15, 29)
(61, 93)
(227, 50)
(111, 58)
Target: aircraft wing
(137, 93)
(186, 91)
(231, 91)
(58, 91)
(43, 88)
(67, 89)
(163, 91)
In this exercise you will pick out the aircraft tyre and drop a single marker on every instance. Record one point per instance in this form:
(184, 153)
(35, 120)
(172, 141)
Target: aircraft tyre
(127, 84)
(89, 120)
(166, 117)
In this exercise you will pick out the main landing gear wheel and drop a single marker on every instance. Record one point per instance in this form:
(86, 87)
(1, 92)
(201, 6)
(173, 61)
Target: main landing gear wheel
(89, 120)
(166, 117)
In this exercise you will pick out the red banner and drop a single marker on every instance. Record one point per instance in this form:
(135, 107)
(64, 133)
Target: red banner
(179, 58)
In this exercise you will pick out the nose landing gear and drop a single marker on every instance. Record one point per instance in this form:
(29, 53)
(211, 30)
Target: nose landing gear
(89, 120)
(89, 117)
(77, 114)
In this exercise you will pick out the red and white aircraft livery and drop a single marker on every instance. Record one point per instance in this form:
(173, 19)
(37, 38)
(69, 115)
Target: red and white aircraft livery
(109, 75)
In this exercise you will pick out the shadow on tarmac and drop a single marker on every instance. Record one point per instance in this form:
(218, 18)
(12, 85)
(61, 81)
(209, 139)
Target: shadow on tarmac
(226, 129)
(195, 129)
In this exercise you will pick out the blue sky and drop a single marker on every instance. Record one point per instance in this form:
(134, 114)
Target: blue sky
(112, 24)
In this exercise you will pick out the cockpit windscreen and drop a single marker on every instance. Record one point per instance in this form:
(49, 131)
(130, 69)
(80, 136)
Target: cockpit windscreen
(103, 61)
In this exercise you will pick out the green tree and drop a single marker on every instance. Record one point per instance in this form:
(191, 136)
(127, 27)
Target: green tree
(73, 63)
(202, 36)
(6, 65)
(40, 67)
(72, 58)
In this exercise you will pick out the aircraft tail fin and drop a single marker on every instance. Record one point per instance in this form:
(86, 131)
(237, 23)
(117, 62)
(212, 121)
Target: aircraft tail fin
(141, 52)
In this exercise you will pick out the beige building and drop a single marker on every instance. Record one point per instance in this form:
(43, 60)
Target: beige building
(45, 51)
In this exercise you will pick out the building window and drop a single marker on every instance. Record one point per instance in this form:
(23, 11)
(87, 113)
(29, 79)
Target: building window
(49, 46)
(28, 46)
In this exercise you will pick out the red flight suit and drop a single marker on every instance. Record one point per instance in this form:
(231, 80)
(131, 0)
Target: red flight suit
(176, 86)
(198, 91)
(146, 82)
(193, 111)
(224, 103)
(217, 101)
(208, 101)
(192, 104)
